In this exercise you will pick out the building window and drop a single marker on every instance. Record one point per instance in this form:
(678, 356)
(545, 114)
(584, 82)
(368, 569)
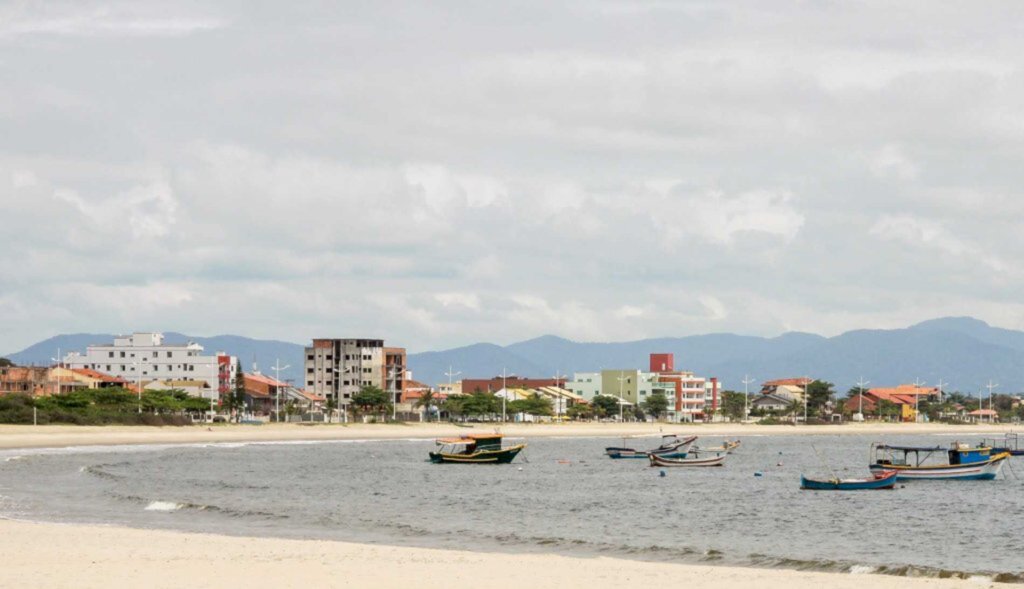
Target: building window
(309, 357)
(170, 354)
(309, 383)
(110, 354)
(309, 371)
(122, 354)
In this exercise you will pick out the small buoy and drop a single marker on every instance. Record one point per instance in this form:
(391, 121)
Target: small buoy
(778, 464)
(661, 473)
(520, 468)
(758, 474)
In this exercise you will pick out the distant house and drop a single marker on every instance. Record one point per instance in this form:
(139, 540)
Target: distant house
(27, 380)
(984, 416)
(770, 402)
(871, 402)
(787, 388)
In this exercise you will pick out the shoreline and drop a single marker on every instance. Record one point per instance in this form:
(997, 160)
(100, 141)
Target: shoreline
(13, 437)
(111, 557)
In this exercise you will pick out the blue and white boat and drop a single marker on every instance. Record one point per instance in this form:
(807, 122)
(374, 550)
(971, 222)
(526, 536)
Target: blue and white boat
(884, 480)
(671, 446)
(957, 462)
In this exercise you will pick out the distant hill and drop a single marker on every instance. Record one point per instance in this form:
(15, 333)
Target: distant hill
(964, 352)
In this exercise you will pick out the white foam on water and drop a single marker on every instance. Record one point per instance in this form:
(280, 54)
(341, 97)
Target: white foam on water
(862, 569)
(10, 458)
(163, 506)
(982, 579)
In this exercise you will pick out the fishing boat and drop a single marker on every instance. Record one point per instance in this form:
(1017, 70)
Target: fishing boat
(957, 462)
(715, 460)
(671, 445)
(1009, 443)
(882, 480)
(475, 449)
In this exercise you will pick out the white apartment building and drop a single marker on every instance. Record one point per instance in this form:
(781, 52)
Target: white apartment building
(145, 357)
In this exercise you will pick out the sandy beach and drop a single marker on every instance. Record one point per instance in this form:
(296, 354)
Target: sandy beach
(60, 555)
(56, 436)
(54, 555)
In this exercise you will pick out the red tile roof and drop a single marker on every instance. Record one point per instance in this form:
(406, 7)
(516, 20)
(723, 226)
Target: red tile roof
(97, 375)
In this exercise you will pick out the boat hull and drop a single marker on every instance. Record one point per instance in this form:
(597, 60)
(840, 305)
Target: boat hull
(672, 462)
(886, 480)
(502, 456)
(618, 453)
(973, 471)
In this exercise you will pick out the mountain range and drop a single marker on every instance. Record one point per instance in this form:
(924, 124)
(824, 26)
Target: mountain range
(964, 352)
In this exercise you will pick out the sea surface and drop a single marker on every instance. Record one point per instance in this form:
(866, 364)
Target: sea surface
(560, 495)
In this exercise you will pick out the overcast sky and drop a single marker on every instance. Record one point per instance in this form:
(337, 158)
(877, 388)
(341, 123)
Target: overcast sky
(438, 174)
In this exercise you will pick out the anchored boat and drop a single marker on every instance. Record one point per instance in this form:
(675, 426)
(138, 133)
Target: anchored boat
(883, 480)
(1009, 443)
(475, 449)
(716, 460)
(958, 462)
(671, 445)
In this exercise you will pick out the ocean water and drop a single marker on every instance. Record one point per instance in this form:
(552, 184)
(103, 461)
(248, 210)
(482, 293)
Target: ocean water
(560, 495)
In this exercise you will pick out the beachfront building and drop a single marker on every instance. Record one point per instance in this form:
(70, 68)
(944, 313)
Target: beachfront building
(144, 356)
(25, 380)
(691, 397)
(337, 368)
(496, 383)
(585, 384)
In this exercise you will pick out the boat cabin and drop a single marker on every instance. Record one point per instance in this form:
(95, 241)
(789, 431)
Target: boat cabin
(471, 443)
(914, 456)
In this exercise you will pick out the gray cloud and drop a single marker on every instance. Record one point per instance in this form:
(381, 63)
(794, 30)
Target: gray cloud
(448, 173)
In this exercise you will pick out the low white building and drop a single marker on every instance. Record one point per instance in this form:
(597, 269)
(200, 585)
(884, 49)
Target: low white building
(145, 357)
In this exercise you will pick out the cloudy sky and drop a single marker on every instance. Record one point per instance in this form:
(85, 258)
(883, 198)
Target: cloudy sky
(443, 173)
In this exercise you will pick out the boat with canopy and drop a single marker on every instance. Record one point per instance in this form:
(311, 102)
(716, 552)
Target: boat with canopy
(475, 449)
(956, 462)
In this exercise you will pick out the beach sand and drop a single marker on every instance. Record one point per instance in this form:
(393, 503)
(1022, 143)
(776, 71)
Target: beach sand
(26, 436)
(80, 556)
(55, 555)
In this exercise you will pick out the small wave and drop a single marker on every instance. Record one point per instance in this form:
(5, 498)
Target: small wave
(164, 506)
(12, 458)
(862, 569)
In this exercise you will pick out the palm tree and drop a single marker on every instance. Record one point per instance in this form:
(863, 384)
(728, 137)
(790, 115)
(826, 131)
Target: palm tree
(332, 404)
(426, 400)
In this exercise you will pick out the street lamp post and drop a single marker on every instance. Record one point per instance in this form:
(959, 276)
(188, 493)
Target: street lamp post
(449, 374)
(138, 374)
(860, 397)
(622, 378)
(337, 397)
(561, 399)
(918, 383)
(58, 363)
(990, 386)
(746, 395)
(392, 379)
(277, 368)
(807, 393)
(504, 392)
